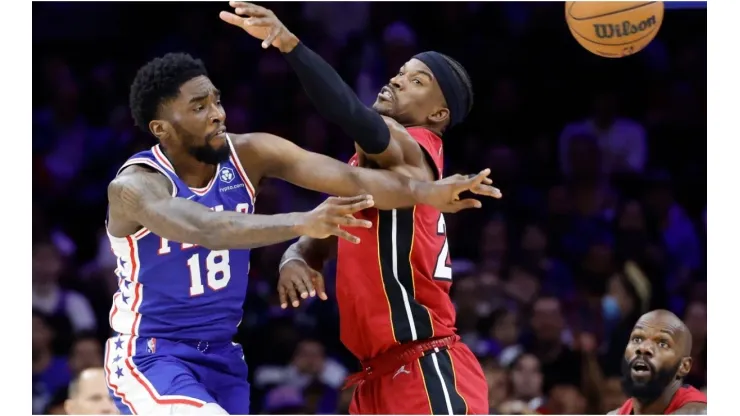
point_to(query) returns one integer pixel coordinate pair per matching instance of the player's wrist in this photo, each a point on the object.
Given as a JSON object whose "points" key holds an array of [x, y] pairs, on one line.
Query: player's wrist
{"points": [[288, 43], [422, 192], [288, 260]]}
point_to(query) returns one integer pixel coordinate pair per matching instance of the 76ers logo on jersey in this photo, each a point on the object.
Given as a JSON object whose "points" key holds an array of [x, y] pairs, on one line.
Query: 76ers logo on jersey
{"points": [[227, 175]]}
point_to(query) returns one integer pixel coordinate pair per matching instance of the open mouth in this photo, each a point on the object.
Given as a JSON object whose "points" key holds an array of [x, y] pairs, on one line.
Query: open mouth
{"points": [[640, 367], [386, 94]]}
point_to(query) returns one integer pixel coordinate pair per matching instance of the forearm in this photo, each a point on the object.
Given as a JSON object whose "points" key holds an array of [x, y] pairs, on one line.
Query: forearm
{"points": [[142, 197], [336, 101], [390, 190], [313, 251], [219, 230]]}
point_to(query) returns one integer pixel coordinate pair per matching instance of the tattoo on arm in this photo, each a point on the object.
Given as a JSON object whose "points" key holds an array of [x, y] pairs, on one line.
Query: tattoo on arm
{"points": [[143, 196]]}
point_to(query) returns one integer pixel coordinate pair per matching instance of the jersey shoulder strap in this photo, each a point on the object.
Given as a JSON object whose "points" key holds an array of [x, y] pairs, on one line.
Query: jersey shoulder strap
{"points": [[432, 145], [149, 158]]}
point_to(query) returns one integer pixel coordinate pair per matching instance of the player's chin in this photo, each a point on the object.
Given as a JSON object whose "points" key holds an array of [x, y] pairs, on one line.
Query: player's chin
{"points": [[383, 107]]}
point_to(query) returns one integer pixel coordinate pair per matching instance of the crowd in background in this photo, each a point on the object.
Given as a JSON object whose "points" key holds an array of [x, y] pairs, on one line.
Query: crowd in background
{"points": [[602, 164]]}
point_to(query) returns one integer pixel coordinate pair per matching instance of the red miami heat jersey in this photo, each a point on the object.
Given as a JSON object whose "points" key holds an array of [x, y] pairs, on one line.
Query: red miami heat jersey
{"points": [[394, 286], [684, 395]]}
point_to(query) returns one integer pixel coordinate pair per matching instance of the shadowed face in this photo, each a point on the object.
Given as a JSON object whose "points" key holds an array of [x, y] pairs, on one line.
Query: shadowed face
{"points": [[656, 355], [195, 120], [526, 377], [413, 97]]}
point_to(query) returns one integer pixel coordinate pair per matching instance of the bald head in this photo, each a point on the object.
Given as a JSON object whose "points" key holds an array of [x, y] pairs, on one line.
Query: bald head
{"points": [[666, 321], [657, 357], [88, 394]]}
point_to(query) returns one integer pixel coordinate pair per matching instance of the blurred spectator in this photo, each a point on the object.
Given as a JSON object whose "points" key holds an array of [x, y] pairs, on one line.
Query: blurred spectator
{"points": [[612, 395], [88, 394], [559, 363], [622, 141], [86, 352], [284, 400], [69, 311], [498, 384], [50, 372], [565, 399], [628, 297], [534, 250], [527, 381], [309, 365]]}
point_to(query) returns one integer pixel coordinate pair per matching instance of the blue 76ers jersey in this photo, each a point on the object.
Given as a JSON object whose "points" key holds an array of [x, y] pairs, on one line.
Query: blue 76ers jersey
{"points": [[174, 289]]}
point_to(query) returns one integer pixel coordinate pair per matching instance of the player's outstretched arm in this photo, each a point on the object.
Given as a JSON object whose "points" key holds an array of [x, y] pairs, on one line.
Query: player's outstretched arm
{"points": [[279, 158], [141, 197], [331, 96]]}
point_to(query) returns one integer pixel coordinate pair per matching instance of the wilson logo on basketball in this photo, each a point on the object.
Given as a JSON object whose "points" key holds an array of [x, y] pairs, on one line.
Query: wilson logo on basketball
{"points": [[626, 28]]}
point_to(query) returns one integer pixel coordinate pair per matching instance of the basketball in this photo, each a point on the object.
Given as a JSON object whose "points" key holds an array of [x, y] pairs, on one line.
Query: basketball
{"points": [[614, 29]]}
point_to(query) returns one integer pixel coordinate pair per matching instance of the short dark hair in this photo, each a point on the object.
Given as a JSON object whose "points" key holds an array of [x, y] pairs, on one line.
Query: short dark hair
{"points": [[159, 81]]}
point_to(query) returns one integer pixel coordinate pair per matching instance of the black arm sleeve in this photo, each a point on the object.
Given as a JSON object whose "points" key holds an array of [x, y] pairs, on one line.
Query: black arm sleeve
{"points": [[336, 101]]}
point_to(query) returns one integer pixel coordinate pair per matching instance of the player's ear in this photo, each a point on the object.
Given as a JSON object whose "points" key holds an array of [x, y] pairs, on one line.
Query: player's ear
{"points": [[685, 367], [439, 116], [159, 128]]}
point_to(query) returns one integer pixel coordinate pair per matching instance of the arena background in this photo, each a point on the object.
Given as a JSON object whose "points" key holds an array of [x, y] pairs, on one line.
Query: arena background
{"points": [[534, 272]]}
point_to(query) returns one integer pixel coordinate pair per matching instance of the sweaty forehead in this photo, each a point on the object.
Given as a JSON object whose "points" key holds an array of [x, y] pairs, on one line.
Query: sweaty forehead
{"points": [[196, 87]]}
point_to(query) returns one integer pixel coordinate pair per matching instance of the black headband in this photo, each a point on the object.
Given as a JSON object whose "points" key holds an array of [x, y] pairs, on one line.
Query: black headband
{"points": [[452, 86]]}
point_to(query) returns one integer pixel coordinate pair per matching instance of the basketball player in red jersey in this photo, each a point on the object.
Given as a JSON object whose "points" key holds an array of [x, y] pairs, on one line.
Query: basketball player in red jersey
{"points": [[392, 289], [657, 358]]}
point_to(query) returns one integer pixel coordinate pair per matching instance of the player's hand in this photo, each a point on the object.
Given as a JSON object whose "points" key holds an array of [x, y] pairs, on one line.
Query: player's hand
{"points": [[299, 281], [262, 24], [444, 194], [326, 219]]}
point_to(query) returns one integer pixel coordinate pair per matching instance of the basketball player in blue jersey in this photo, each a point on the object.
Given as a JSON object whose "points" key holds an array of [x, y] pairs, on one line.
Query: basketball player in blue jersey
{"points": [[181, 222]]}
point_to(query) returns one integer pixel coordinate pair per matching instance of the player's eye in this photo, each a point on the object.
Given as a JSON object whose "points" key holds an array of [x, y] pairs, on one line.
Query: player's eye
{"points": [[663, 344], [636, 340], [198, 108], [417, 81], [218, 102]]}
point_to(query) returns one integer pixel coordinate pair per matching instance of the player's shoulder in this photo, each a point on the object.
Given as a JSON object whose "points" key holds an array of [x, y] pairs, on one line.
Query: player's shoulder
{"points": [[136, 174], [138, 180]]}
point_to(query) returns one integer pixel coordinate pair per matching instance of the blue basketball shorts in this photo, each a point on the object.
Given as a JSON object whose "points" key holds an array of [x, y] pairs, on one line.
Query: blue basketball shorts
{"points": [[161, 376]]}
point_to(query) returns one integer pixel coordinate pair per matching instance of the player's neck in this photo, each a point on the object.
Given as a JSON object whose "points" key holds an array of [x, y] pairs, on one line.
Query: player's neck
{"points": [[194, 173], [658, 406]]}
